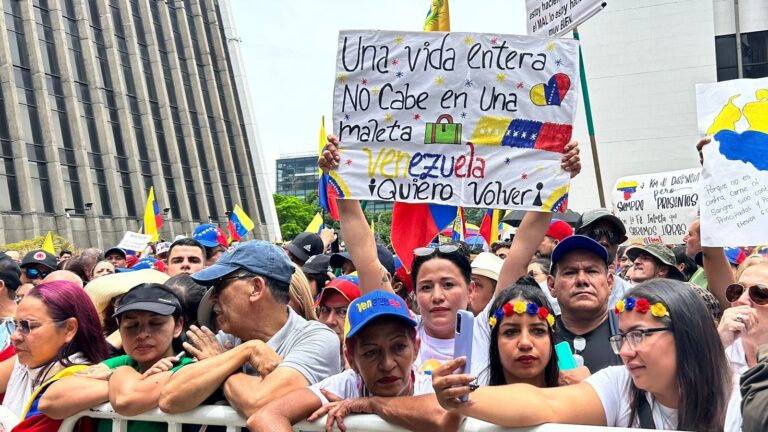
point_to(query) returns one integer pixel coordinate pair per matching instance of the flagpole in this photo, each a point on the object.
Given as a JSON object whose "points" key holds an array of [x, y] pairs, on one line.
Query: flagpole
{"points": [[590, 125]]}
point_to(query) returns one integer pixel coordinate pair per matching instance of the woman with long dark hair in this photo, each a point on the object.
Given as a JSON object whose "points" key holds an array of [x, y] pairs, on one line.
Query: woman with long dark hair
{"points": [[56, 332], [522, 348], [675, 375]]}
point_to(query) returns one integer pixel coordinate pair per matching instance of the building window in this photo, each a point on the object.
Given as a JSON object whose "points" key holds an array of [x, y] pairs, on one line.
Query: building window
{"points": [[754, 55], [8, 185]]}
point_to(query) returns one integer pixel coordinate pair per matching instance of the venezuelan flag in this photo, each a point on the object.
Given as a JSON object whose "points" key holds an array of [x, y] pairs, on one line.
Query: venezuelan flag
{"points": [[438, 17], [489, 226], [326, 192], [239, 224], [153, 220], [415, 225]]}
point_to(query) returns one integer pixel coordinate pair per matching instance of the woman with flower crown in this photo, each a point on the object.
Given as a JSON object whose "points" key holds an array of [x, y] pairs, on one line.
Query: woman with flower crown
{"points": [[522, 347], [675, 375]]}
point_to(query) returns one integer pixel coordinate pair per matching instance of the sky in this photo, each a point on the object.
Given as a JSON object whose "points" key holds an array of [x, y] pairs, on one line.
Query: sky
{"points": [[289, 53]]}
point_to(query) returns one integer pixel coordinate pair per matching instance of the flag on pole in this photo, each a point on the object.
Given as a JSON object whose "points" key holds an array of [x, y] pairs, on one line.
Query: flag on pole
{"points": [[326, 192], [489, 227], [416, 225], [316, 225], [438, 18], [48, 244], [239, 224], [153, 220], [459, 228]]}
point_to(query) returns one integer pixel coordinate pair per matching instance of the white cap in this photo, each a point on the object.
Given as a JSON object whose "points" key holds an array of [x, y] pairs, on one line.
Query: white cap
{"points": [[162, 247], [488, 265]]}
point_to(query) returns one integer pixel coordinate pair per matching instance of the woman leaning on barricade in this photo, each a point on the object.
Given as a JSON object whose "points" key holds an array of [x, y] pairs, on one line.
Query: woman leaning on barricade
{"points": [[56, 333], [381, 345], [150, 322], [675, 375]]}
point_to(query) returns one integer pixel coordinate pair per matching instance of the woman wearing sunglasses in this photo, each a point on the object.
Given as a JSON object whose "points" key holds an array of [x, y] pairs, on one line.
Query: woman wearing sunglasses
{"points": [[150, 322], [675, 375], [55, 333]]}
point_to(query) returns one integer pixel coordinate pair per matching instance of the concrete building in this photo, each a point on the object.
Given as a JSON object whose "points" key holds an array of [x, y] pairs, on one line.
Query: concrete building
{"points": [[643, 59], [102, 99]]}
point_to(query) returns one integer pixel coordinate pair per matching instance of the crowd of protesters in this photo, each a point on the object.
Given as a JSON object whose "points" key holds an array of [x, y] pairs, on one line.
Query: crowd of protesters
{"points": [[571, 325]]}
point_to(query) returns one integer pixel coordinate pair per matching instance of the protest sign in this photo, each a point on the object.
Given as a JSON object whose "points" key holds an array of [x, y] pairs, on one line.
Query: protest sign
{"points": [[134, 241], [554, 18], [657, 208], [734, 195], [468, 119]]}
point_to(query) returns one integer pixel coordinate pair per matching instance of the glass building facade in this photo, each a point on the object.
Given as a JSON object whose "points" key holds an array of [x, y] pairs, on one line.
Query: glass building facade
{"points": [[101, 100]]}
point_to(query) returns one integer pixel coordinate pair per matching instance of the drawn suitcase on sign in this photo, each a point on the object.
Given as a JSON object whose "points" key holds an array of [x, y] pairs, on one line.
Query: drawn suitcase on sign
{"points": [[441, 132]]}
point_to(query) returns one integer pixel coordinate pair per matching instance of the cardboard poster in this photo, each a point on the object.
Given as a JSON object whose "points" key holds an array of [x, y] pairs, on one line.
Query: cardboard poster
{"points": [[554, 18], [657, 208], [477, 120], [134, 241], [734, 193]]}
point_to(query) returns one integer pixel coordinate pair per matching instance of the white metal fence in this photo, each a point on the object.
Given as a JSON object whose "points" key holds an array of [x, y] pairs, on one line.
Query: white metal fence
{"points": [[222, 415]]}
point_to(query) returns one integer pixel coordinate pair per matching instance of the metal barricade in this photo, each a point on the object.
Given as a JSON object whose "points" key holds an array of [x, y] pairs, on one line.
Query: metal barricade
{"points": [[222, 415]]}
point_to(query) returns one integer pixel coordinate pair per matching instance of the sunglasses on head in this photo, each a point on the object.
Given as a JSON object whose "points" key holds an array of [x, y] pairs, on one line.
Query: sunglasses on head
{"points": [[33, 273], [757, 293], [597, 234], [428, 251]]}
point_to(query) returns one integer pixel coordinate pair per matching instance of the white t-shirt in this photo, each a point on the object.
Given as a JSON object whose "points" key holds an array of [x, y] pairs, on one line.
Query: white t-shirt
{"points": [[431, 348], [736, 357], [349, 384], [481, 341], [612, 385]]}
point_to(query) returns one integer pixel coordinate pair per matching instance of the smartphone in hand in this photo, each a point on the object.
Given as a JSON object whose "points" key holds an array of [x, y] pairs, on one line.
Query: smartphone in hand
{"points": [[465, 326]]}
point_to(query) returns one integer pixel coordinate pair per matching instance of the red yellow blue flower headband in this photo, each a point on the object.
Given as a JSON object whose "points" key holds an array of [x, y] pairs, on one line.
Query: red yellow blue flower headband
{"points": [[521, 307], [641, 305]]}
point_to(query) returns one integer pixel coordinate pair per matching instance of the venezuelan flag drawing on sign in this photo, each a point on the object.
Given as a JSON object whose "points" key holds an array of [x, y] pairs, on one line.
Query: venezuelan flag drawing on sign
{"points": [[153, 220]]}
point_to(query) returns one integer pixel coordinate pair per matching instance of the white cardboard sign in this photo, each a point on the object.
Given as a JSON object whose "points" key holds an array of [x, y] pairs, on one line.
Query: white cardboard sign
{"points": [[554, 18]]}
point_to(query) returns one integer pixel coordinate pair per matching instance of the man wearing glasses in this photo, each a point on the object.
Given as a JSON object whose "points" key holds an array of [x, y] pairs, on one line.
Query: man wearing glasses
{"points": [[274, 350], [36, 265], [608, 230]]}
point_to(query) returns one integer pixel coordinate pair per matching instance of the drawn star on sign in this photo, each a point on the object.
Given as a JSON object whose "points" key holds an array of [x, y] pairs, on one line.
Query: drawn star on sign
{"points": [[524, 176], [395, 62], [520, 85], [342, 78], [468, 40], [364, 81], [501, 77], [463, 114], [349, 162], [375, 90], [550, 46], [399, 74], [507, 161], [399, 40], [468, 83], [559, 62], [494, 41], [417, 117], [440, 80], [346, 117], [388, 118]]}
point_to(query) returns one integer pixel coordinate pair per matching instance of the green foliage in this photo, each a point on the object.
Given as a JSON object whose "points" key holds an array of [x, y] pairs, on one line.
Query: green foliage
{"points": [[24, 246], [293, 214]]}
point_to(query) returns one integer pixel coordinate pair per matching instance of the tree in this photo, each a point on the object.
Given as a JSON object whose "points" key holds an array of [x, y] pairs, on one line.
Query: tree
{"points": [[293, 214]]}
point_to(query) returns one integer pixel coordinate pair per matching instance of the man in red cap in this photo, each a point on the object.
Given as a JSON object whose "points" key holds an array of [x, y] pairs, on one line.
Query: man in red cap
{"points": [[558, 231], [333, 301]]}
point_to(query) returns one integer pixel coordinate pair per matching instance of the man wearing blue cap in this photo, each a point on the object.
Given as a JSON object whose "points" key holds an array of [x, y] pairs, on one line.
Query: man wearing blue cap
{"points": [[274, 349], [581, 280]]}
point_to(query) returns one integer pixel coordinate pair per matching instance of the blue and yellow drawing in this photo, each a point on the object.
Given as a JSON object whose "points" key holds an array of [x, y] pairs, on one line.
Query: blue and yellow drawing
{"points": [[628, 187]]}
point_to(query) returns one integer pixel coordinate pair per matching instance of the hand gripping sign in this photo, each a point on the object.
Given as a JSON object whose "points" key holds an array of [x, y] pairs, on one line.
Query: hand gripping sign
{"points": [[477, 120]]}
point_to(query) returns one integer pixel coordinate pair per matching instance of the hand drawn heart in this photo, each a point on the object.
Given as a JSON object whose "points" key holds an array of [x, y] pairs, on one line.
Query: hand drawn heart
{"points": [[553, 92]]}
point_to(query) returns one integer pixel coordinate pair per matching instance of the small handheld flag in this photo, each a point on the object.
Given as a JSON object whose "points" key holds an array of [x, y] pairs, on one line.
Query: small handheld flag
{"points": [[153, 220]]}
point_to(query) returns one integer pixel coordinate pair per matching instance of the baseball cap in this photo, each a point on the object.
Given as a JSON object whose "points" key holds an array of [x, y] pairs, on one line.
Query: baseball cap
{"points": [[386, 258], [661, 253], [488, 265], [255, 256], [149, 263], [114, 249], [162, 247], [375, 304], [39, 256], [559, 230], [317, 264], [210, 235], [348, 286], [10, 273], [150, 297], [577, 242], [305, 245], [589, 217]]}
